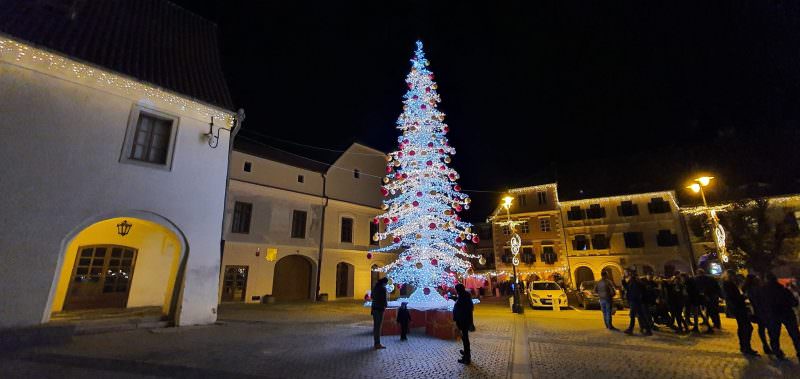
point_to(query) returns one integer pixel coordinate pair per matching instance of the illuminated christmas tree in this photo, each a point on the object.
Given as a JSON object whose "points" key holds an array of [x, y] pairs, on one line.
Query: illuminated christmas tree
{"points": [[422, 197]]}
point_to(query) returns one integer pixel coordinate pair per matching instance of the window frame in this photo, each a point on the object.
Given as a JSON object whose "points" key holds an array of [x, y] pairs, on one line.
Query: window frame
{"points": [[524, 227], [295, 212], [640, 240], [341, 228], [248, 166], [581, 237], [130, 135], [604, 245], [356, 173], [672, 239], [545, 221], [522, 200], [234, 218], [373, 228], [301, 179], [542, 197], [634, 207]]}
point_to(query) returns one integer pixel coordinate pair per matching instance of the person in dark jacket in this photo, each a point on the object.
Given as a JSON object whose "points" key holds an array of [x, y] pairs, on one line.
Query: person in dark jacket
{"points": [[752, 289], [694, 303], [462, 315], [634, 291], [649, 297], [735, 302], [403, 318], [710, 294], [676, 299], [379, 303], [779, 302]]}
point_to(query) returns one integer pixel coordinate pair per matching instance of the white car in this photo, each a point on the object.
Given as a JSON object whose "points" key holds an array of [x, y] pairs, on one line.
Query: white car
{"points": [[545, 293]]}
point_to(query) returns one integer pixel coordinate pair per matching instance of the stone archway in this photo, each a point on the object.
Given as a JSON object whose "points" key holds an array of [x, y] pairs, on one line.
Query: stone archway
{"points": [[345, 278], [583, 274], [100, 268], [292, 279]]}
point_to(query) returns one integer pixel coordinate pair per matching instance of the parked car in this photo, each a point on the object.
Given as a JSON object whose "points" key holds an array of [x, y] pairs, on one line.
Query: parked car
{"points": [[545, 294], [587, 298]]}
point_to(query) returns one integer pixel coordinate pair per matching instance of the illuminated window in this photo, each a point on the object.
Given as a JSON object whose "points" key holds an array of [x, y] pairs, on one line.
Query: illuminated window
{"points": [[522, 199], [506, 230], [542, 196]]}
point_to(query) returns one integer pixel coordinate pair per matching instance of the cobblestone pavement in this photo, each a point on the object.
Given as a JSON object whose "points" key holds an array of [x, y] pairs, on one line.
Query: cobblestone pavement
{"points": [[571, 344], [333, 340]]}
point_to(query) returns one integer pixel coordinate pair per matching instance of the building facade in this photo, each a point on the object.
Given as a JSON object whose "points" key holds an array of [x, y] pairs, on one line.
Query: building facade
{"points": [[641, 231], [542, 254], [286, 217], [114, 196]]}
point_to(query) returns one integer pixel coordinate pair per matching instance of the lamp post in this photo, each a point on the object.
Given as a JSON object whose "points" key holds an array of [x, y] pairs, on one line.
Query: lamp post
{"points": [[718, 231], [515, 243]]}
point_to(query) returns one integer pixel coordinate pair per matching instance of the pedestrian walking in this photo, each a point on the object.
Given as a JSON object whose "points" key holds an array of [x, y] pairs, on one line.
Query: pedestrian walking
{"points": [[779, 302], [694, 304], [379, 303], [735, 302], [710, 294], [462, 315], [675, 294], [752, 289], [649, 298], [605, 292], [403, 318], [634, 291]]}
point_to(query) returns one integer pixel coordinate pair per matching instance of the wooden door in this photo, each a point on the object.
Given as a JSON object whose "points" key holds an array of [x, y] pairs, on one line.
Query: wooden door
{"points": [[292, 279], [234, 283], [101, 277]]}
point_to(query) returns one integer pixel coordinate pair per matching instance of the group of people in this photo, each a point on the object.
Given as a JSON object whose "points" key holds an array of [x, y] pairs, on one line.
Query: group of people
{"points": [[683, 302], [462, 316]]}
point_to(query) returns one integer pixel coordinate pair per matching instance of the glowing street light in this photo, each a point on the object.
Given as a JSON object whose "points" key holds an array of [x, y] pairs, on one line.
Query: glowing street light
{"points": [[718, 231], [515, 244]]}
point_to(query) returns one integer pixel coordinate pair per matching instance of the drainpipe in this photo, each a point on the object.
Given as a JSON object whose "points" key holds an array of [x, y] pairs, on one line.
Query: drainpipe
{"points": [[237, 126], [321, 235]]}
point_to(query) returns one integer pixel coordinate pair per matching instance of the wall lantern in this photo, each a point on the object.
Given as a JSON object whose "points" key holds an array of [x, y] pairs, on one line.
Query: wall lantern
{"points": [[124, 227]]}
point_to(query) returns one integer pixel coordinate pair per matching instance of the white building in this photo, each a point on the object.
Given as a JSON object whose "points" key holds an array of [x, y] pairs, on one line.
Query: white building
{"points": [[103, 133], [280, 206]]}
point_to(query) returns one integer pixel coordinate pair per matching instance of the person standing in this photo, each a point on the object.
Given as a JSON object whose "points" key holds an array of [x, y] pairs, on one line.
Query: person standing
{"points": [[752, 289], [379, 303], [634, 291], [462, 315], [736, 304], [693, 303], [605, 292], [675, 293], [780, 302], [403, 318]]}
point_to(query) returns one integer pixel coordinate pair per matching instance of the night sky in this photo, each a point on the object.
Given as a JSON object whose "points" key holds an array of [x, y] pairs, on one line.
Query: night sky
{"points": [[604, 97]]}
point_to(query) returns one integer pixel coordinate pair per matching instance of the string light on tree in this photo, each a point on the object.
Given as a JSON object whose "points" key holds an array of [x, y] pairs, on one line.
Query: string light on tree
{"points": [[422, 198]]}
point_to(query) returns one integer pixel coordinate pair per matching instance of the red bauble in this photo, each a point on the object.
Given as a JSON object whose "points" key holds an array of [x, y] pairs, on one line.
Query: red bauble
{"points": [[429, 163], [464, 249], [376, 221], [446, 129], [388, 169], [430, 76], [415, 203], [369, 255], [475, 239], [408, 258], [432, 225], [405, 141], [441, 151], [386, 220], [457, 188], [458, 239], [410, 85], [397, 175], [434, 262], [427, 89], [394, 219], [404, 175], [412, 152], [426, 291], [415, 97], [384, 191], [442, 167], [423, 106], [419, 194], [458, 208], [399, 154], [396, 240], [430, 144]]}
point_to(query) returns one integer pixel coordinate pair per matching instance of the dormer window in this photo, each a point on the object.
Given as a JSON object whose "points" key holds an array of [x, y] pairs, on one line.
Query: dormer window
{"points": [[658, 205]]}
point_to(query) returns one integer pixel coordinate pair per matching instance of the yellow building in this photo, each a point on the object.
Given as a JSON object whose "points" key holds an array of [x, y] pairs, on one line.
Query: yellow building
{"points": [[542, 254], [641, 231]]}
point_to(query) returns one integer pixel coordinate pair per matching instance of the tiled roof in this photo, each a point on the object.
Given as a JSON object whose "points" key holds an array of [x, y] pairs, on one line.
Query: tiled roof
{"points": [[154, 41]]}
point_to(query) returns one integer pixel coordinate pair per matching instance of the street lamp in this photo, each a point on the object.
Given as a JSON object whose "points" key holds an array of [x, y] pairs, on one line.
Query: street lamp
{"points": [[718, 231], [515, 243]]}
